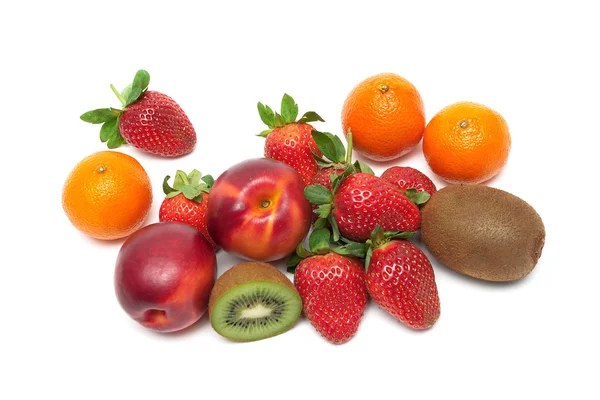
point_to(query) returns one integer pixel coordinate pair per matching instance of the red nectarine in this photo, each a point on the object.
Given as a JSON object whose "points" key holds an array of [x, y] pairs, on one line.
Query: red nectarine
{"points": [[258, 211], [164, 275]]}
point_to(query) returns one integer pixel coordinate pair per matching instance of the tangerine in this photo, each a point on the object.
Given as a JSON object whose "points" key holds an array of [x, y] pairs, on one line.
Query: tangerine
{"points": [[386, 115], [107, 195], [466, 143]]}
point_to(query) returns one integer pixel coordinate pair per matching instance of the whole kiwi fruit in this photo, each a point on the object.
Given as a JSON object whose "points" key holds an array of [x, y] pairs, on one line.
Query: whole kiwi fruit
{"points": [[483, 232], [253, 301]]}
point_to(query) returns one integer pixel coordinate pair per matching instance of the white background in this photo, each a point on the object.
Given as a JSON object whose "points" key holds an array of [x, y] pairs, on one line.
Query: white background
{"points": [[63, 332]]}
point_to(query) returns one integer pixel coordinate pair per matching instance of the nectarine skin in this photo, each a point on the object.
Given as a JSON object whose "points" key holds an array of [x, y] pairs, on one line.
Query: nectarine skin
{"points": [[257, 210], [164, 274]]}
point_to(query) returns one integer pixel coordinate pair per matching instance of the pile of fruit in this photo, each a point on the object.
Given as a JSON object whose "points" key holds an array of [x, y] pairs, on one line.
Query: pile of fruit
{"points": [[347, 234]]}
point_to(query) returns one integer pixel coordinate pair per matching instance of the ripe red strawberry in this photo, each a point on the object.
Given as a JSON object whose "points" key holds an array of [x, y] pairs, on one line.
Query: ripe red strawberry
{"points": [[400, 279], [406, 178], [187, 201], [288, 140], [150, 121], [359, 202], [333, 293]]}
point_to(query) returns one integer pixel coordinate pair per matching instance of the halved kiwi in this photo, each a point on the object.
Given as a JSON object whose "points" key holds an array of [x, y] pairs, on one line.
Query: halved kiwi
{"points": [[253, 301]]}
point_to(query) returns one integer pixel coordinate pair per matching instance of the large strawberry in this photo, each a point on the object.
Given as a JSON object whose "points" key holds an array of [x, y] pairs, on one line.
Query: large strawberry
{"points": [[289, 140], [416, 185], [150, 121], [187, 201], [332, 288], [358, 202], [400, 279]]}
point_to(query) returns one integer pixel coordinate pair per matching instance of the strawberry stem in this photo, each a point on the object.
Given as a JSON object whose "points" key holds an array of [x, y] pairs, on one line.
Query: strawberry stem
{"points": [[349, 153], [119, 96]]}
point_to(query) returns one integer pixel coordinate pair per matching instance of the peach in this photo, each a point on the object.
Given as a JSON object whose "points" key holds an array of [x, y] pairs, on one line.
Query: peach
{"points": [[257, 210], [164, 275]]}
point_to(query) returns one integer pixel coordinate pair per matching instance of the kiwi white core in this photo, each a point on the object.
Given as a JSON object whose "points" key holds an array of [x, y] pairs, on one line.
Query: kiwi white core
{"points": [[258, 311]]}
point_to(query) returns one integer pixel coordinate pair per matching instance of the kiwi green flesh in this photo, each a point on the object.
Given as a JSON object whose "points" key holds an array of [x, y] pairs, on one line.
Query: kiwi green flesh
{"points": [[256, 310]]}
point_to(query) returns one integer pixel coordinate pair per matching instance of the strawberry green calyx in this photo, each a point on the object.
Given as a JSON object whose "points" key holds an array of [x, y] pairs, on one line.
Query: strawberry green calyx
{"points": [[191, 185], [109, 117], [379, 238], [419, 198], [324, 198], [287, 115], [335, 154], [319, 242]]}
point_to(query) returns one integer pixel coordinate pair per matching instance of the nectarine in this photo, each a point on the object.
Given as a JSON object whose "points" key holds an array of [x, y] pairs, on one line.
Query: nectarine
{"points": [[164, 275], [258, 211]]}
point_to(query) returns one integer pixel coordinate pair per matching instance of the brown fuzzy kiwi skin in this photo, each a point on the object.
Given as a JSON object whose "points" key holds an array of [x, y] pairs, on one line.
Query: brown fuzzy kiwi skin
{"points": [[483, 232], [246, 272]]}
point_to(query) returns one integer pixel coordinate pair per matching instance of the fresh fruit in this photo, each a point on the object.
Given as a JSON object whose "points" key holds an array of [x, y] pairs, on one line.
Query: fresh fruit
{"points": [[332, 288], [187, 201], [359, 202], [400, 279], [289, 140], [253, 301], [150, 121], [407, 178], [335, 160], [164, 275], [483, 232], [257, 210], [466, 143], [386, 115], [107, 195]]}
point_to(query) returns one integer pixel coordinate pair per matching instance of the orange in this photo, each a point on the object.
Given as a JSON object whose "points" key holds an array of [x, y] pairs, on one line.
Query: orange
{"points": [[107, 195], [466, 143], [385, 113]]}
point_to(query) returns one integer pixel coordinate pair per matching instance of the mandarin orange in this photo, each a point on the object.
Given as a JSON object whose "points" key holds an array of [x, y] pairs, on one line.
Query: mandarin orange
{"points": [[386, 115], [466, 143], [107, 195]]}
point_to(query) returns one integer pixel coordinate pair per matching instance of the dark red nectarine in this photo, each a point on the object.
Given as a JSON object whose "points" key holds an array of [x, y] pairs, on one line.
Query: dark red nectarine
{"points": [[164, 275], [258, 211]]}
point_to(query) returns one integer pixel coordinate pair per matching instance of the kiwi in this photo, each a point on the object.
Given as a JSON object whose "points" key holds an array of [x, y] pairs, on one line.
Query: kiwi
{"points": [[253, 301], [483, 232]]}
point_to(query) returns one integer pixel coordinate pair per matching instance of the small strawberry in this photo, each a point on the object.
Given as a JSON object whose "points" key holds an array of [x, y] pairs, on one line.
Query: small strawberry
{"points": [[332, 288], [187, 201], [358, 202], [410, 181], [150, 121], [289, 140], [400, 279]]}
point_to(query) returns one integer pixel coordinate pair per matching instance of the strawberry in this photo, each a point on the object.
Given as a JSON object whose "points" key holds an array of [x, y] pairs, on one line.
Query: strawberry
{"points": [[187, 201], [150, 121], [288, 140], [332, 288], [410, 181], [358, 202], [400, 279]]}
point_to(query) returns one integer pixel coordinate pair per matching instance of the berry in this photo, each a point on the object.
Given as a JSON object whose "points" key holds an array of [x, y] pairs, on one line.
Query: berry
{"points": [[150, 121]]}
